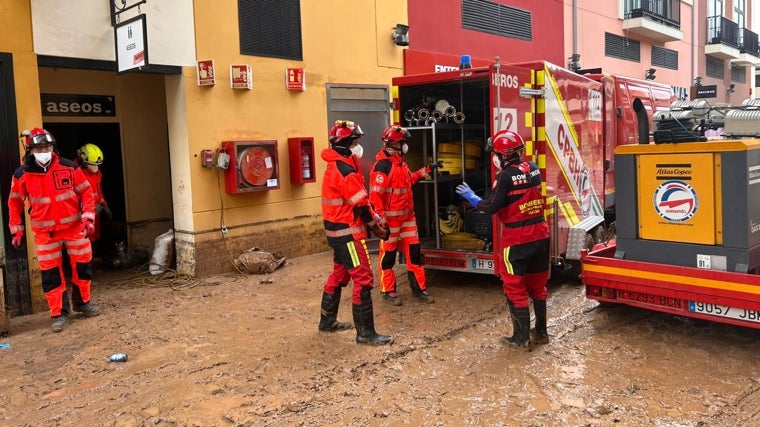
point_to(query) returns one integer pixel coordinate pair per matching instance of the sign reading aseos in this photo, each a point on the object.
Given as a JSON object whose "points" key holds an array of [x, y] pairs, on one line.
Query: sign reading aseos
{"points": [[77, 105], [131, 44]]}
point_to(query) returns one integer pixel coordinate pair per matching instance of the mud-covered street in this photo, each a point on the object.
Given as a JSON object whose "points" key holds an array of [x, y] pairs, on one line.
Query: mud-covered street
{"points": [[239, 351]]}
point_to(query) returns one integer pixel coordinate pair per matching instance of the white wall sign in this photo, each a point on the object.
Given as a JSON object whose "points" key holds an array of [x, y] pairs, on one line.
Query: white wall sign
{"points": [[131, 44]]}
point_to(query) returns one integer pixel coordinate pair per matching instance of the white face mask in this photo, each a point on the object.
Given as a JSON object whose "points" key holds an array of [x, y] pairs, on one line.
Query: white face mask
{"points": [[43, 158], [92, 168], [357, 150], [496, 161], [392, 150]]}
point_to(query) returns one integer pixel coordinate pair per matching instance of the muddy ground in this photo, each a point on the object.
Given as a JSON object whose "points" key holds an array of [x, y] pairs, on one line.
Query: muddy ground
{"points": [[236, 350]]}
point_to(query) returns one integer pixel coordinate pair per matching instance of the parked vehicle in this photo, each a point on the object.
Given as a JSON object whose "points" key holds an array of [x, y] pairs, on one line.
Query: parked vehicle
{"points": [[688, 218], [571, 124]]}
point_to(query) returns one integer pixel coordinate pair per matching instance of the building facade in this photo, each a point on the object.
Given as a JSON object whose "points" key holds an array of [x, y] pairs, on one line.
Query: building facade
{"points": [[212, 115], [168, 98]]}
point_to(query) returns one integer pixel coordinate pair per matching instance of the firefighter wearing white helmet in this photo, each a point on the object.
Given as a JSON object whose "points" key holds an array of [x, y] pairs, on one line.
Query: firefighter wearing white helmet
{"points": [[90, 157], [523, 255]]}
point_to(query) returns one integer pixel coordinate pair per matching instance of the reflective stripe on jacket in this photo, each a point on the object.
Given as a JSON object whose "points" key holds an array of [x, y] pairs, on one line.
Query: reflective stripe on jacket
{"points": [[57, 196], [345, 202], [390, 188]]}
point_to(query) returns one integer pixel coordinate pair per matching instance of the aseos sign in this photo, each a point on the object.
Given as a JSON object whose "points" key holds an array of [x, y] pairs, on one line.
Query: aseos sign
{"points": [[77, 105]]}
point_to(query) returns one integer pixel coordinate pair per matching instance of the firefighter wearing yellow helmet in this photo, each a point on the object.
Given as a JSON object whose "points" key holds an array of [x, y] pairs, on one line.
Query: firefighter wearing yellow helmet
{"points": [[90, 157]]}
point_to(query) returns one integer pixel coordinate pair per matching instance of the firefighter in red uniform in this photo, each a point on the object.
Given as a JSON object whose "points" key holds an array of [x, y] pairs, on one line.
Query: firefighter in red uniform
{"points": [[523, 250], [391, 195], [347, 212], [90, 157], [61, 212]]}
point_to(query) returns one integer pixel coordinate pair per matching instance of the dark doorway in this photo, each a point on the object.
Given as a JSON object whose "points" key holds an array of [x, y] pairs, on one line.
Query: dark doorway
{"points": [[18, 298], [69, 137]]}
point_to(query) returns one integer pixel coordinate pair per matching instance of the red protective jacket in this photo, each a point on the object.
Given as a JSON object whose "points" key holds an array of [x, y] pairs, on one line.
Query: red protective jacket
{"points": [[518, 203], [345, 203], [58, 196], [390, 188], [95, 179]]}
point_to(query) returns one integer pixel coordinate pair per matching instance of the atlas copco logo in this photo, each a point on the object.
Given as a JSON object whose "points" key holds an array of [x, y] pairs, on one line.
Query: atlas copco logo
{"points": [[676, 201]]}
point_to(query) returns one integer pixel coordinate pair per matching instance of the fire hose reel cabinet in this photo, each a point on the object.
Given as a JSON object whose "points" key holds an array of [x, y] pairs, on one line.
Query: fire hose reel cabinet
{"points": [[253, 166], [302, 162]]}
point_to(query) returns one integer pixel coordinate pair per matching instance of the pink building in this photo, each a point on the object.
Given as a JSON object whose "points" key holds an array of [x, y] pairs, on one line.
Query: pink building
{"points": [[689, 44]]}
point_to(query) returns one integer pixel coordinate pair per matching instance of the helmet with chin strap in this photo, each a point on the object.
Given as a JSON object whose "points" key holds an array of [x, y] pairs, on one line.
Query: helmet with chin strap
{"points": [[344, 132], [394, 136], [507, 143]]}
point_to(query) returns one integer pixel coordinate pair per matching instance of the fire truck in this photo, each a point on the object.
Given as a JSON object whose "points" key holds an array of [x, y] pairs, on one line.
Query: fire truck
{"points": [[571, 123], [688, 218]]}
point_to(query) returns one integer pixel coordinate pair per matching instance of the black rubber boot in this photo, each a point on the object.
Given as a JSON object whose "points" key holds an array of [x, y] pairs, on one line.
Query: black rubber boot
{"points": [[418, 293], [88, 309], [58, 323], [539, 335], [328, 320], [364, 318], [520, 327], [66, 304]]}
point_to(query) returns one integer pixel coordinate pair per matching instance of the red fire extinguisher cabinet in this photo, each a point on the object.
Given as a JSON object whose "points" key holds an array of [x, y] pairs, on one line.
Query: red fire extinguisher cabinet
{"points": [[301, 156]]}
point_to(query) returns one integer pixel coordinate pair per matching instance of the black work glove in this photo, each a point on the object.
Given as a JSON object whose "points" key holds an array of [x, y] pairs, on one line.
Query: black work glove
{"points": [[382, 232], [435, 165]]}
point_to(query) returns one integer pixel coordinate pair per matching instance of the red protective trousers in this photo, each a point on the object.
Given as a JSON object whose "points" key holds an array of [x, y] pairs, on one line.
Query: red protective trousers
{"points": [[525, 271], [402, 236], [350, 262], [49, 254]]}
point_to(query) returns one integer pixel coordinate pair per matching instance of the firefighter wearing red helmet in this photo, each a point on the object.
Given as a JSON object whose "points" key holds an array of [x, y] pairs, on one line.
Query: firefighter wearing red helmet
{"points": [[390, 192], [347, 213], [523, 252], [61, 212]]}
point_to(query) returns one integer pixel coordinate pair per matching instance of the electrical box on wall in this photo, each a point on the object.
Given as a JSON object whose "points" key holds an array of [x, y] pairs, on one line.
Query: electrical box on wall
{"points": [[302, 161], [253, 166]]}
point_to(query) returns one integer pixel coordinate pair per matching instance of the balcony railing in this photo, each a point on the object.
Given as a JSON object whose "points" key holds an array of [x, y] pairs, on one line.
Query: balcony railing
{"points": [[721, 30], [748, 42], [666, 11]]}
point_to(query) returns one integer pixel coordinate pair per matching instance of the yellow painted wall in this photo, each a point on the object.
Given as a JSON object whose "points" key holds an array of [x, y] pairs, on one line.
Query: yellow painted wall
{"points": [[340, 47], [16, 38], [344, 41]]}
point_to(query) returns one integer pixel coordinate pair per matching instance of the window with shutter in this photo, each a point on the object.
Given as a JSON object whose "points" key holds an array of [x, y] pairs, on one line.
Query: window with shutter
{"points": [[715, 67], [665, 58], [622, 47], [270, 28], [499, 19]]}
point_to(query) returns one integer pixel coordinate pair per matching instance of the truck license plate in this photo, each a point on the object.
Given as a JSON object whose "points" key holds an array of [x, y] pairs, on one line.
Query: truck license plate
{"points": [[725, 311], [482, 264], [651, 299]]}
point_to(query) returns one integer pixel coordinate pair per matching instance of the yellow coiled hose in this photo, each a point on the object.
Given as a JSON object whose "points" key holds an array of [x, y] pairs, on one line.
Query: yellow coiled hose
{"points": [[453, 224]]}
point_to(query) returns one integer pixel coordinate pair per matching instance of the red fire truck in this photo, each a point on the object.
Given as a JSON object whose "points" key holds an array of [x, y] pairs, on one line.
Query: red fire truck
{"points": [[688, 222], [571, 123]]}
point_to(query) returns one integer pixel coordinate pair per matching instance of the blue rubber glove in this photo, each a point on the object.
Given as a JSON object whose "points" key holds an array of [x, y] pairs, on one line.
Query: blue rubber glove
{"points": [[466, 192]]}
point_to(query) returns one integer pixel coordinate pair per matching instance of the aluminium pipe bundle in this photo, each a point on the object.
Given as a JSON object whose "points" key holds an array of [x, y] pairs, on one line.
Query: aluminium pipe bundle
{"points": [[443, 112]]}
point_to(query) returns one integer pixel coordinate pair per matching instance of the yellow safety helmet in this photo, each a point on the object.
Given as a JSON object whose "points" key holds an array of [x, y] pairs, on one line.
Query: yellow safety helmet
{"points": [[90, 154]]}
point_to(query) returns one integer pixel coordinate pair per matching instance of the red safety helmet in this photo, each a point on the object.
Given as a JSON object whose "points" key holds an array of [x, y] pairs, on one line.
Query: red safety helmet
{"points": [[507, 143], [37, 137], [395, 135], [344, 132]]}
